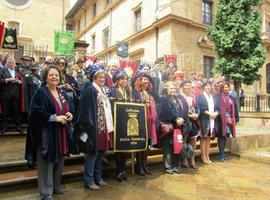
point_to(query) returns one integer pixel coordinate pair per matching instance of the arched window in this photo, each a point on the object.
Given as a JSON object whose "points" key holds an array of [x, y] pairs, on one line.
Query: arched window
{"points": [[268, 78]]}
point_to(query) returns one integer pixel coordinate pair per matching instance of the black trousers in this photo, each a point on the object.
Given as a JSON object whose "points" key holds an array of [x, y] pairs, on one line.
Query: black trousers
{"points": [[120, 160], [8, 106]]}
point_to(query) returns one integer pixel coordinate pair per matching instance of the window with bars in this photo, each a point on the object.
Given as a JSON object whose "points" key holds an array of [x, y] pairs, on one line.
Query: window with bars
{"points": [[69, 27], [207, 12], [105, 37], [208, 65], [268, 78], [138, 20], [93, 41]]}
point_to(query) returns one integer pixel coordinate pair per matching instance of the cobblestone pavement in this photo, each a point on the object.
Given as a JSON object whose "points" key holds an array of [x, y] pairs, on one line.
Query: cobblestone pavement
{"points": [[234, 179]]}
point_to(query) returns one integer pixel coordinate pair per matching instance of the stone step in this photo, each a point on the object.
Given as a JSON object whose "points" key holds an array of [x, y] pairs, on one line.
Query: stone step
{"points": [[19, 165], [14, 178]]}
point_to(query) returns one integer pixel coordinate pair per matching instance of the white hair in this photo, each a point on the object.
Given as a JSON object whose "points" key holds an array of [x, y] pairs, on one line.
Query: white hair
{"points": [[10, 59]]}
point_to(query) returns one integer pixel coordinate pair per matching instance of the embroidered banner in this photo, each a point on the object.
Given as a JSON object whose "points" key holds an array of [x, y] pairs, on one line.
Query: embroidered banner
{"points": [[10, 39], [170, 62], [129, 67], [63, 43], [2, 28], [130, 129]]}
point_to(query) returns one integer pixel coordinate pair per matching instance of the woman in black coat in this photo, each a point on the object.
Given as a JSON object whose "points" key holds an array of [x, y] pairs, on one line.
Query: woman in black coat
{"points": [[171, 112], [50, 127], [208, 113]]}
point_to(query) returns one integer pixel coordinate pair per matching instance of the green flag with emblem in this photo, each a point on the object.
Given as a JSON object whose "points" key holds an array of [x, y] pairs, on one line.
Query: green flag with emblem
{"points": [[63, 43]]}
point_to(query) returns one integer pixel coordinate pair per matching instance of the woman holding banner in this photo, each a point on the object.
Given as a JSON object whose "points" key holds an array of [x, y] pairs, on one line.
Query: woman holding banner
{"points": [[120, 93], [172, 115], [142, 93]]}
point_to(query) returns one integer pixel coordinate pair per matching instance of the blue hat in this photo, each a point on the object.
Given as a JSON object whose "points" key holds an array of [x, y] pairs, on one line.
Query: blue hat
{"points": [[118, 74], [95, 69], [143, 65], [142, 74]]}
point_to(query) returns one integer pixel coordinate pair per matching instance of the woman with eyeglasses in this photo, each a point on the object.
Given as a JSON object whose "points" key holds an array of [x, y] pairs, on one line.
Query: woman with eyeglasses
{"points": [[68, 82]]}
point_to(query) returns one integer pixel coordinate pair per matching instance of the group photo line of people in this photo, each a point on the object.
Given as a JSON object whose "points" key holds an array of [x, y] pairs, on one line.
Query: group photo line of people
{"points": [[71, 111]]}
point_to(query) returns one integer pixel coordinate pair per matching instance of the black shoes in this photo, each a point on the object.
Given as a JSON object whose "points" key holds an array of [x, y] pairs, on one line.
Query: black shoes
{"points": [[58, 191], [125, 176], [119, 177]]}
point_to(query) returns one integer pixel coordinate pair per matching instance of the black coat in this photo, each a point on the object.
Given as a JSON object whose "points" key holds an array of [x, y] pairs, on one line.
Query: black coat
{"points": [[9, 90], [170, 111], [204, 119], [43, 133], [86, 120]]}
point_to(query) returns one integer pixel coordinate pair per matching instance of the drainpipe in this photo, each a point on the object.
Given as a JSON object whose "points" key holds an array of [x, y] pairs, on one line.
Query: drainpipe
{"points": [[84, 22], [63, 14], [110, 42], [157, 29]]}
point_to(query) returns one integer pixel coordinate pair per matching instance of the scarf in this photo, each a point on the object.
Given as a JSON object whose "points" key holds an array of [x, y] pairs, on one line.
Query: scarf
{"points": [[151, 116], [227, 102], [107, 107], [211, 109], [62, 133]]}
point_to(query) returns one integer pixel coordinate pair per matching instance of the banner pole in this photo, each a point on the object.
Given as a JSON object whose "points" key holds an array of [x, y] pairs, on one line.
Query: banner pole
{"points": [[132, 163]]}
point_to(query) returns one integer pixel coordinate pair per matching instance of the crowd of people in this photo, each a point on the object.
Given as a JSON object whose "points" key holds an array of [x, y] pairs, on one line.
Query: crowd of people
{"points": [[70, 111]]}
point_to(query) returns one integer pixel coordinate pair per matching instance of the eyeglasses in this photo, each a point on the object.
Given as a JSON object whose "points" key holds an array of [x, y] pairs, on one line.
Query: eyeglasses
{"points": [[60, 63]]}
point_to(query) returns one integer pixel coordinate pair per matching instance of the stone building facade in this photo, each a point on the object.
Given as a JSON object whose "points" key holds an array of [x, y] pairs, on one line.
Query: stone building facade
{"points": [[35, 21], [154, 28]]}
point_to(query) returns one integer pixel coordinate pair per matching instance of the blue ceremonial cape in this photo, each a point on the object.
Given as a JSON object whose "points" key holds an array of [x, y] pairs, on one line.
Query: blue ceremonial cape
{"points": [[86, 120]]}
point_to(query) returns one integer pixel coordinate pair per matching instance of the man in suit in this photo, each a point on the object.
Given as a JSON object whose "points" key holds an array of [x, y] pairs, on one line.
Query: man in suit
{"points": [[11, 94]]}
